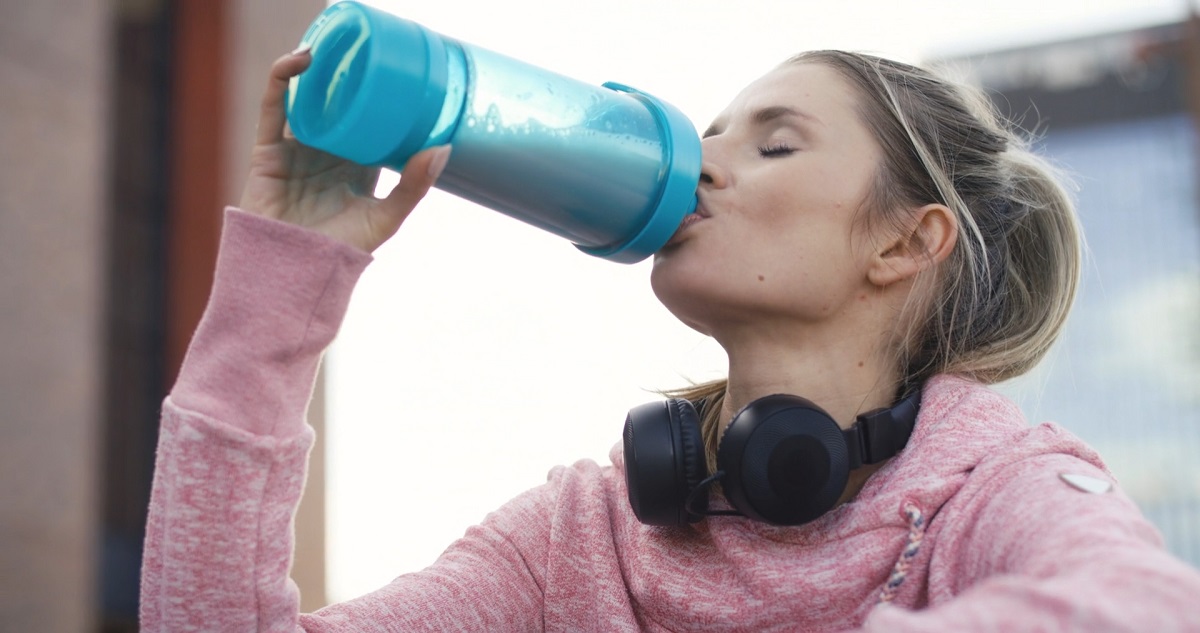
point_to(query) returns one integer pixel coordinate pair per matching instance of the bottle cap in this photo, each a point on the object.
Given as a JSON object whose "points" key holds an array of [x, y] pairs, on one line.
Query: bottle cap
{"points": [[677, 194], [375, 87]]}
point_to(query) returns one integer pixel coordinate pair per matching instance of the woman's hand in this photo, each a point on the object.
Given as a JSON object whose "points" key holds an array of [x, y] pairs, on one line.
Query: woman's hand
{"points": [[301, 185]]}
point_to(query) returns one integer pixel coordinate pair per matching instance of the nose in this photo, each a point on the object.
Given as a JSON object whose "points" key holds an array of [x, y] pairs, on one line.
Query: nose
{"points": [[711, 172]]}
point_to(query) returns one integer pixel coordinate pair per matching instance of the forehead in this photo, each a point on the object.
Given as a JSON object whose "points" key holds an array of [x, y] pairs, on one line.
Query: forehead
{"points": [[815, 91]]}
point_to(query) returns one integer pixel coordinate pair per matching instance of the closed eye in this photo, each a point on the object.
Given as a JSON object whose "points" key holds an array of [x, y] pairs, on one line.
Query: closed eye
{"points": [[775, 149]]}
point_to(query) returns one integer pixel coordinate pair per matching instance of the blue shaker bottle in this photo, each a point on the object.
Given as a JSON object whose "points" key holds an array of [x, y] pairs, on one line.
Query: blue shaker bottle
{"points": [[612, 169]]}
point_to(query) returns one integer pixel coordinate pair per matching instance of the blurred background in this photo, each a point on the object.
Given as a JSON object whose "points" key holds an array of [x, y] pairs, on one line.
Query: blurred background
{"points": [[479, 352]]}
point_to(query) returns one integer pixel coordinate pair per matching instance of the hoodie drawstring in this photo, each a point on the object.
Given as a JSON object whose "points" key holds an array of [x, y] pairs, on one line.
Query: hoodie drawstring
{"points": [[916, 532]]}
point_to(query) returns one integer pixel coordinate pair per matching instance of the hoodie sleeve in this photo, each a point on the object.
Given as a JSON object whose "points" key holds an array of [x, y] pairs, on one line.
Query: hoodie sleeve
{"points": [[233, 442], [1030, 551], [233, 454]]}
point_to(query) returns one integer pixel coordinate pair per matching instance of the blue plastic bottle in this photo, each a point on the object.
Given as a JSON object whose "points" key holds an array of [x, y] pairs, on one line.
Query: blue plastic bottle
{"points": [[612, 169]]}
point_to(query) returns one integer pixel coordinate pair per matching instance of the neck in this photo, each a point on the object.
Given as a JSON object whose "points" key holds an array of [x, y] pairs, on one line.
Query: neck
{"points": [[852, 376], [846, 378]]}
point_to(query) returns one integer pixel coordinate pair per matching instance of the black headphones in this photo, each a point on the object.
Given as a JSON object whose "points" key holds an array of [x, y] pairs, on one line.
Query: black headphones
{"points": [[782, 459]]}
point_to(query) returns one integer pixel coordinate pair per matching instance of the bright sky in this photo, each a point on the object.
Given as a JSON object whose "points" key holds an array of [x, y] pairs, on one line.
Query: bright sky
{"points": [[480, 352]]}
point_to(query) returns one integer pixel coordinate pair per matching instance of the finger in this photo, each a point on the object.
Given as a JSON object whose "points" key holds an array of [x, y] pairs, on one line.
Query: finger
{"points": [[419, 175], [272, 117], [363, 180]]}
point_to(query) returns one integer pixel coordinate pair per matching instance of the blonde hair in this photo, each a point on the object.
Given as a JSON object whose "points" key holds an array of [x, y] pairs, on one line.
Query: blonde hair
{"points": [[995, 306]]}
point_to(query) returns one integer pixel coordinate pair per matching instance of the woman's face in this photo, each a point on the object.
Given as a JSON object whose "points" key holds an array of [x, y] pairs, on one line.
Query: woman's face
{"points": [[787, 166]]}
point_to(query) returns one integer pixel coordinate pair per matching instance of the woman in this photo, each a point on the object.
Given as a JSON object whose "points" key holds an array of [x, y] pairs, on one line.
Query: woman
{"points": [[866, 232]]}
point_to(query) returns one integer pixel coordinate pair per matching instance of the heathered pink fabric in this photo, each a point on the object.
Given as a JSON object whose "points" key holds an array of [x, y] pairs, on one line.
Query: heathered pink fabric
{"points": [[1007, 547]]}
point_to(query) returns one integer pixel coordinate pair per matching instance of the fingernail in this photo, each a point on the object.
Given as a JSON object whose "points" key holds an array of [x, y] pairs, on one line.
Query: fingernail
{"points": [[301, 50], [438, 162]]}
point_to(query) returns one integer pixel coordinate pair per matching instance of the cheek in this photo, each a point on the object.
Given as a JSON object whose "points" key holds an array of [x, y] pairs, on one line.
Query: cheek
{"points": [[775, 206], [795, 195], [834, 187]]}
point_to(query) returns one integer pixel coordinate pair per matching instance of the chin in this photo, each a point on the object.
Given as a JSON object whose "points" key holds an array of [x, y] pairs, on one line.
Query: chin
{"points": [[682, 293]]}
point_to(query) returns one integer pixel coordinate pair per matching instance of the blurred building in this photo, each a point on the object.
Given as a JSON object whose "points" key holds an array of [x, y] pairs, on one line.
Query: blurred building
{"points": [[1119, 113], [124, 127]]}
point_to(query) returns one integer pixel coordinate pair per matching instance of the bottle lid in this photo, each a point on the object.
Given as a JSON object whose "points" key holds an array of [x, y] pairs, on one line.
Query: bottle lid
{"points": [[677, 194], [375, 87]]}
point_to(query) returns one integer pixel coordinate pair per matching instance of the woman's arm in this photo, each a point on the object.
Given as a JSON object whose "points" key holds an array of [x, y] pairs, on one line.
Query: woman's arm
{"points": [[492, 579], [233, 444], [1032, 553], [232, 459]]}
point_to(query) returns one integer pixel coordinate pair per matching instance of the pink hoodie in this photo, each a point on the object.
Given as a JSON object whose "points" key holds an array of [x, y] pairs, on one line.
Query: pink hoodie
{"points": [[970, 528]]}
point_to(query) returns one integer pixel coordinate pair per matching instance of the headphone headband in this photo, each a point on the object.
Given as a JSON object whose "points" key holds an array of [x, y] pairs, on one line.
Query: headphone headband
{"points": [[880, 434]]}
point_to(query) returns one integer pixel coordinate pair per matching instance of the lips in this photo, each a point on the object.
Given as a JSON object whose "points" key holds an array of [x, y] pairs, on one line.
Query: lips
{"points": [[699, 215], [689, 220]]}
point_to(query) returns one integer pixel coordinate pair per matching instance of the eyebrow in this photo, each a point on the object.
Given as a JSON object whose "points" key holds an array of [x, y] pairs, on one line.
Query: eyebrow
{"points": [[766, 115]]}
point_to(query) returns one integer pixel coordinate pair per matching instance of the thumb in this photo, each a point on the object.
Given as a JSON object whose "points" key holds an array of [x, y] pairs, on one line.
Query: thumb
{"points": [[419, 174]]}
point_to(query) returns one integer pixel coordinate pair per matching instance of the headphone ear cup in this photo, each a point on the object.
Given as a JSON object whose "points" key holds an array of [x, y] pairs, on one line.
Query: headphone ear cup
{"points": [[695, 468], [785, 461], [664, 460]]}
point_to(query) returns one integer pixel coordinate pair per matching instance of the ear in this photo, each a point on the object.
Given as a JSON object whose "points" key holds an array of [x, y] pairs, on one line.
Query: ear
{"points": [[928, 239]]}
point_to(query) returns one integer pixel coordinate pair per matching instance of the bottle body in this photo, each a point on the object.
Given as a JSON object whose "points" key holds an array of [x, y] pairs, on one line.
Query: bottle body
{"points": [[609, 168]]}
